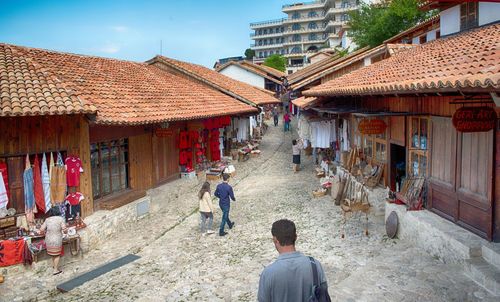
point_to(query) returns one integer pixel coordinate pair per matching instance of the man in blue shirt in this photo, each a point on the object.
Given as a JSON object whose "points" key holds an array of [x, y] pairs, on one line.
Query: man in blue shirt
{"points": [[224, 192], [290, 278]]}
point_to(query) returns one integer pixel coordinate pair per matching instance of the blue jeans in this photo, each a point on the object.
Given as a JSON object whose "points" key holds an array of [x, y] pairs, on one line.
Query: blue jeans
{"points": [[225, 219], [204, 226], [287, 126]]}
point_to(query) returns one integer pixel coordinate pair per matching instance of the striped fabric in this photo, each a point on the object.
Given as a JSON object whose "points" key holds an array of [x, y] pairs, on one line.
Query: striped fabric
{"points": [[46, 184]]}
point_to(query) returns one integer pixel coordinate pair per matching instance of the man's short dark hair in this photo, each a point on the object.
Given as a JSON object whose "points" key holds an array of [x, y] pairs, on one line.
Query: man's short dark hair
{"points": [[225, 177], [284, 230]]}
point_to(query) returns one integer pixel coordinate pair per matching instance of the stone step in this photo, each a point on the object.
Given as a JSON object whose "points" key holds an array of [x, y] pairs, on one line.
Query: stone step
{"points": [[484, 274], [491, 253]]}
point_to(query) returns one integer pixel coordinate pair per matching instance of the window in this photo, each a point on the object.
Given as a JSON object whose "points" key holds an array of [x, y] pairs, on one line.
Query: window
{"points": [[296, 26], [265, 41], [296, 38], [109, 165], [344, 17], [422, 39], [312, 14], [313, 37], [468, 15], [271, 52], [296, 49], [282, 51], [418, 150], [260, 54], [265, 54], [271, 30], [312, 25], [296, 15], [345, 4], [260, 42], [374, 146], [265, 31], [260, 31], [282, 39]]}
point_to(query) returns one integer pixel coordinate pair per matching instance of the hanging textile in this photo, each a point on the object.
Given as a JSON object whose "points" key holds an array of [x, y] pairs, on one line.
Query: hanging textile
{"points": [[29, 196], [73, 170], [38, 186], [51, 165], [58, 182], [5, 173], [12, 252], [4, 199], [46, 184], [243, 130], [183, 140]]}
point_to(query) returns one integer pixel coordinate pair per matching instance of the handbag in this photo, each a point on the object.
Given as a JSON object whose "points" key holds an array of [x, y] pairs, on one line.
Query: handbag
{"points": [[319, 291]]}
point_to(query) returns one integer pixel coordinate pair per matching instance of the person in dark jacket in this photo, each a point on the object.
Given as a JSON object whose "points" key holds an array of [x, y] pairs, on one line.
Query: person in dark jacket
{"points": [[225, 194]]}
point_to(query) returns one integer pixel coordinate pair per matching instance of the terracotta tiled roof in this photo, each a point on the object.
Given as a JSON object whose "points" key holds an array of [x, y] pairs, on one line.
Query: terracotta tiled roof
{"points": [[311, 69], [243, 91], [26, 88], [123, 92], [469, 60], [264, 71], [304, 102], [432, 21]]}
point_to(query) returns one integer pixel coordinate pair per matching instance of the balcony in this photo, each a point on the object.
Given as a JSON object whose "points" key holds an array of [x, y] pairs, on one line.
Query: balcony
{"points": [[339, 10], [335, 23], [268, 46], [267, 23], [303, 5], [305, 41], [304, 30], [268, 35], [320, 17]]}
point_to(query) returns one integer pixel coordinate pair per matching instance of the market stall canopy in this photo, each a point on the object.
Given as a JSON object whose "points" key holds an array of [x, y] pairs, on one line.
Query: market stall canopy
{"points": [[304, 102], [42, 82], [242, 91], [468, 61], [269, 73]]}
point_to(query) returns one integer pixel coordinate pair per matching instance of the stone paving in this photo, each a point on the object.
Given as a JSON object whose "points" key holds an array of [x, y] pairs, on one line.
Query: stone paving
{"points": [[178, 264]]}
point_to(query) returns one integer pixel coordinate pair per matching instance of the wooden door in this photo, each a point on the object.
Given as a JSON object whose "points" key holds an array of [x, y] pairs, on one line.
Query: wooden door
{"points": [[15, 166], [461, 177], [443, 199], [166, 159], [475, 181]]}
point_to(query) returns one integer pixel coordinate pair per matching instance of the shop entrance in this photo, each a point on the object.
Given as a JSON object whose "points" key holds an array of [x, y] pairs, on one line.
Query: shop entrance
{"points": [[398, 166]]}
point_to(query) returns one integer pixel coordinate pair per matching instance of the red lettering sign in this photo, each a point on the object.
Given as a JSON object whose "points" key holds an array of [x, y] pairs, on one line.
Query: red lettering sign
{"points": [[161, 132], [375, 126], [474, 119]]}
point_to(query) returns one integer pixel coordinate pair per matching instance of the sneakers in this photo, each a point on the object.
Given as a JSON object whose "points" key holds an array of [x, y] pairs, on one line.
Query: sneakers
{"points": [[232, 225], [209, 232], [223, 234]]}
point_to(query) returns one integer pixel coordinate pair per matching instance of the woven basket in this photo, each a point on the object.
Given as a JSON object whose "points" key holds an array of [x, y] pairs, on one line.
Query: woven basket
{"points": [[318, 193]]}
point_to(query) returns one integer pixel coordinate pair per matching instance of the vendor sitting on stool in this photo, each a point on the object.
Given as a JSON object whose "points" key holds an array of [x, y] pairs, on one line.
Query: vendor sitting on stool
{"points": [[54, 227]]}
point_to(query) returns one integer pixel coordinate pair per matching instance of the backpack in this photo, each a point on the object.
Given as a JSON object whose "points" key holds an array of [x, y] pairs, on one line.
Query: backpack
{"points": [[319, 292]]}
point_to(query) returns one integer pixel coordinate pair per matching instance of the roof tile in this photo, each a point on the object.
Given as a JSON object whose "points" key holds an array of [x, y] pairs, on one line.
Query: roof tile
{"points": [[467, 60]]}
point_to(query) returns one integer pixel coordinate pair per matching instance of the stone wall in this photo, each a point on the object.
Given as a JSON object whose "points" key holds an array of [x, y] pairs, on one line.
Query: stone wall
{"points": [[437, 236]]}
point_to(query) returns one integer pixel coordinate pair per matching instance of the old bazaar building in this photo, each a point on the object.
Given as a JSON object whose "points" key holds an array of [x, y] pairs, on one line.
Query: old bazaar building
{"points": [[416, 92], [121, 118]]}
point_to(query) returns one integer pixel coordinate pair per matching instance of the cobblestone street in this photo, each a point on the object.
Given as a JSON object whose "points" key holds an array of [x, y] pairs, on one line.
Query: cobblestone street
{"points": [[178, 264]]}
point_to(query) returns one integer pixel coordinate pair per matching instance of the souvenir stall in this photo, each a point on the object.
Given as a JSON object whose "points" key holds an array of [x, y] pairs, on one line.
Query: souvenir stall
{"points": [[50, 180], [202, 147]]}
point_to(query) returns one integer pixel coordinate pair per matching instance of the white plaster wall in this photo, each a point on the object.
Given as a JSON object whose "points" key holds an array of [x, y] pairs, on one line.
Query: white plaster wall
{"points": [[431, 35], [488, 12], [243, 75], [368, 61], [450, 20]]}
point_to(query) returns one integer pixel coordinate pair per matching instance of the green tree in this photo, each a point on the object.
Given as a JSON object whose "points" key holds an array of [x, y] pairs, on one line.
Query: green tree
{"points": [[372, 24], [276, 61], [249, 53]]}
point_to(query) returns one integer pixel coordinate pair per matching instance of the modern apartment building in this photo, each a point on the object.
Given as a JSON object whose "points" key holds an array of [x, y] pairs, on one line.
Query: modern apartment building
{"points": [[308, 28]]}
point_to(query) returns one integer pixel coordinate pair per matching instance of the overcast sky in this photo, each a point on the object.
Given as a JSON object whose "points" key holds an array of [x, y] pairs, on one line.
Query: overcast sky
{"points": [[195, 31]]}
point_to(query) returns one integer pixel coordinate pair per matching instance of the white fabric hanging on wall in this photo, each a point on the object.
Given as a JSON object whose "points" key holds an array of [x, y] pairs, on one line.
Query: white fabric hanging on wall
{"points": [[243, 124]]}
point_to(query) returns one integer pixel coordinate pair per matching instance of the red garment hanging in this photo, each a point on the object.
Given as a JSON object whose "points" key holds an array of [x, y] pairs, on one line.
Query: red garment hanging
{"points": [[183, 157], [38, 186], [183, 140], [5, 176]]}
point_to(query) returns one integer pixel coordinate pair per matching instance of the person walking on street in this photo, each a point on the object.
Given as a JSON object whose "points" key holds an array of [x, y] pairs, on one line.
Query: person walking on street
{"points": [[225, 192], [293, 277], [275, 116], [297, 146], [206, 209], [287, 120]]}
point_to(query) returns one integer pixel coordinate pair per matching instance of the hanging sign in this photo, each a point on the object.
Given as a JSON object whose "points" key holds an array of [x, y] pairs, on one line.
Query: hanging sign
{"points": [[375, 126], [162, 132], [474, 119]]}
